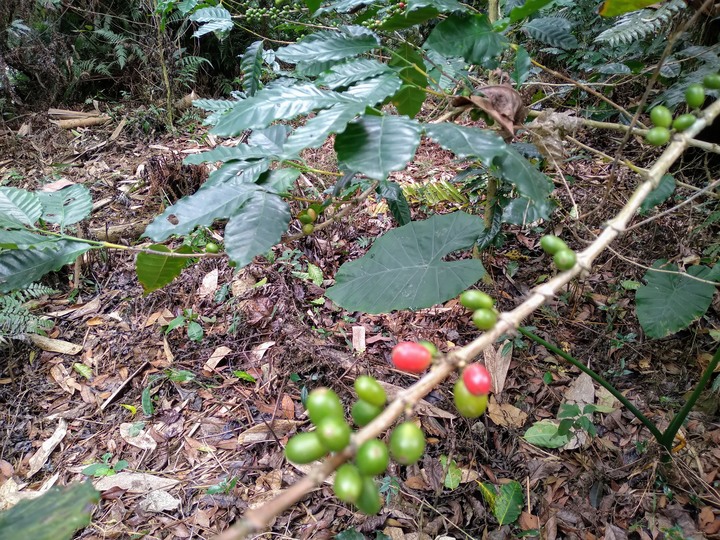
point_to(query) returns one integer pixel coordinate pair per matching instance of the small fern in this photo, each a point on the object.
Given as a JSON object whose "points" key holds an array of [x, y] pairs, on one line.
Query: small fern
{"points": [[16, 319], [637, 25]]}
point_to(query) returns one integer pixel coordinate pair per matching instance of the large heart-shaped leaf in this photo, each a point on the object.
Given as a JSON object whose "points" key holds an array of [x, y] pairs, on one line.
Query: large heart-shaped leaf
{"points": [[66, 206], [377, 145], [156, 271], [404, 269], [19, 268], [469, 36], [203, 207], [329, 45], [671, 301], [256, 227], [18, 206]]}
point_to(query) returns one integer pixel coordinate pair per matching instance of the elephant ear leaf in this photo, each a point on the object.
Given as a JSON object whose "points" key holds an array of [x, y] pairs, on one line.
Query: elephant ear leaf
{"points": [[405, 268]]}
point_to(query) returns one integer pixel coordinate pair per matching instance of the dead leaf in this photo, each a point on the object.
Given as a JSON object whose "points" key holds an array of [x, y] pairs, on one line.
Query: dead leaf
{"points": [[134, 482], [159, 501], [506, 415], [60, 375], [581, 392], [136, 435], [57, 185], [528, 521], [55, 345], [548, 131], [209, 284], [705, 518], [358, 339], [215, 358], [264, 432], [502, 103], [394, 533], [39, 458], [498, 364], [259, 350]]}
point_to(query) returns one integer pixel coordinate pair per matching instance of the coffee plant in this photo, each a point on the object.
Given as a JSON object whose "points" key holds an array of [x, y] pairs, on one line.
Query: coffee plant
{"points": [[365, 84]]}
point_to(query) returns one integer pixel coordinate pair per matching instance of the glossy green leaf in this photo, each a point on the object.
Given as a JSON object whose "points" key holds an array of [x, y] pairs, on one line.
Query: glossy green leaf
{"points": [[256, 227], [530, 7], [66, 206], [660, 194], [18, 206], [522, 66], [671, 301], [24, 239], [470, 37], [508, 503], [613, 8], [378, 145], [443, 6], [321, 46], [405, 268], [202, 207], [410, 65], [251, 66], [317, 129], [277, 103], [505, 161], [19, 268], [553, 31], [352, 72], [397, 203], [545, 434], [409, 18], [156, 271], [313, 5], [213, 19], [55, 515], [224, 154], [279, 180]]}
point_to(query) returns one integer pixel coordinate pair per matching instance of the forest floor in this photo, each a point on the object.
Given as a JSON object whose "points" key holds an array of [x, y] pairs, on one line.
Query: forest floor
{"points": [[224, 405]]}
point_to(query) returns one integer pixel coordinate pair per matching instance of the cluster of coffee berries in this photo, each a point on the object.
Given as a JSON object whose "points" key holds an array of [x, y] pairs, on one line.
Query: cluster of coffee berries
{"points": [[563, 257], [355, 482], [308, 217], [484, 314], [662, 118], [272, 14], [385, 14]]}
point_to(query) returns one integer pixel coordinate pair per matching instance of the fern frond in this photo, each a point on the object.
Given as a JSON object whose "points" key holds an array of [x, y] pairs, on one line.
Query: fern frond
{"points": [[16, 320], [637, 25]]}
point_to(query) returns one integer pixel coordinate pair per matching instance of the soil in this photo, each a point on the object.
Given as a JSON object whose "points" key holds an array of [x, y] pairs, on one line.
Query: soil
{"points": [[213, 414]]}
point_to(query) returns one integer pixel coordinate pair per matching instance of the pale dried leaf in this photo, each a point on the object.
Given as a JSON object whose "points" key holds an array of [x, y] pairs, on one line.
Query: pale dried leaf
{"points": [[159, 501], [264, 432], [216, 357], [209, 284], [505, 414], [39, 458], [358, 339], [55, 345], [142, 439], [134, 482], [498, 364], [259, 350]]}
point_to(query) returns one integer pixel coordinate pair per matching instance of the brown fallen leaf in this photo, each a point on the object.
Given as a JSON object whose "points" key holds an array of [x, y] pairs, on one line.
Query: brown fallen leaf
{"points": [[134, 482], [39, 458], [502, 103], [505, 414], [55, 345], [528, 521]]}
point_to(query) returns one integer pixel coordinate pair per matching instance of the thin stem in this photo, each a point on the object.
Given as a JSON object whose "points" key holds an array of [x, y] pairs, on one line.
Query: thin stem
{"points": [[305, 168], [669, 435], [600, 380]]}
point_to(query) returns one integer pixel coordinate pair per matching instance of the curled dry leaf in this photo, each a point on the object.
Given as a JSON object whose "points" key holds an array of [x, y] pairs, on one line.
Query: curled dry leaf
{"points": [[502, 103], [548, 131]]}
